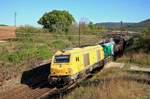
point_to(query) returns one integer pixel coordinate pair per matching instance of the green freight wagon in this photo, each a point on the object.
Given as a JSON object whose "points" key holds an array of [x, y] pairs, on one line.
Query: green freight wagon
{"points": [[108, 49]]}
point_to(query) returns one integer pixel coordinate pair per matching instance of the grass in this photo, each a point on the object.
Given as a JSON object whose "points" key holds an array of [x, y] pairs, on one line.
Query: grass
{"points": [[27, 49], [138, 52], [110, 85], [30, 47], [141, 58]]}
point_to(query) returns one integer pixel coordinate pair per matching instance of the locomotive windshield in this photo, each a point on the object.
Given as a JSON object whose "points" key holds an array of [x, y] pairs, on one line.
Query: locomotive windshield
{"points": [[62, 59]]}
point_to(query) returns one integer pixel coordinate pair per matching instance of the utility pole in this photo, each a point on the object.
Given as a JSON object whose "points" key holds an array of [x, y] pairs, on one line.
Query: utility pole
{"points": [[79, 33], [15, 20], [121, 23]]}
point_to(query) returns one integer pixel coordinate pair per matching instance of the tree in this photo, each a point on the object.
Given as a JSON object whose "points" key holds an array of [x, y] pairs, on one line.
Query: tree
{"points": [[91, 25], [56, 21]]}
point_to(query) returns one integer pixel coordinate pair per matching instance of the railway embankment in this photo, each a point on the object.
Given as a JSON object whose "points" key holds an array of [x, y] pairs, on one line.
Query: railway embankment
{"points": [[107, 81], [114, 83], [34, 84]]}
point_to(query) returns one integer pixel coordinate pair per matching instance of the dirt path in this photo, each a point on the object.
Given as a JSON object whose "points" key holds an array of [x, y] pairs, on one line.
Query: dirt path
{"points": [[136, 68], [24, 92], [132, 67], [9, 84], [114, 65]]}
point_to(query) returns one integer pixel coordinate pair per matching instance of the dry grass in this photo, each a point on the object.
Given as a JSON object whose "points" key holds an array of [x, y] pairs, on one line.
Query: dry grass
{"points": [[141, 58], [105, 86], [114, 89]]}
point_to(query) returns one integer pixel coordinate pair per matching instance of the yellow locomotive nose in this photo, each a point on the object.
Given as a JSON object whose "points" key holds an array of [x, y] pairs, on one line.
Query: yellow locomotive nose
{"points": [[61, 66], [64, 71]]}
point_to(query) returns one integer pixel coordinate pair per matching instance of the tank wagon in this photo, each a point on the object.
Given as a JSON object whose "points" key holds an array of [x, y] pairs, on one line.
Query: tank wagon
{"points": [[72, 64]]}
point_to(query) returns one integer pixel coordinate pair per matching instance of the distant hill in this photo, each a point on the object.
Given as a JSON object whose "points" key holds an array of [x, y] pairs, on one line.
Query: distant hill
{"points": [[145, 23], [114, 25], [140, 25], [131, 26]]}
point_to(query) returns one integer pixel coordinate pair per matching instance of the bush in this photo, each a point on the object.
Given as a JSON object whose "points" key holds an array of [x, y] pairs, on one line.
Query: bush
{"points": [[145, 40]]}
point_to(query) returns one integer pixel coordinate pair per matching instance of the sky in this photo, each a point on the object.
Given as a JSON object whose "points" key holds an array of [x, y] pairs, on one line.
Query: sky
{"points": [[29, 11]]}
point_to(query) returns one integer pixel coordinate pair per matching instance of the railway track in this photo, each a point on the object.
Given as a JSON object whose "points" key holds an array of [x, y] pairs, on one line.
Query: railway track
{"points": [[60, 92], [24, 92], [42, 90], [39, 90]]}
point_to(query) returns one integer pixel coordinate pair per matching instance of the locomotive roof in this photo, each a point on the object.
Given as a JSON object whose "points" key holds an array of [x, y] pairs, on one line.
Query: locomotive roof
{"points": [[75, 50]]}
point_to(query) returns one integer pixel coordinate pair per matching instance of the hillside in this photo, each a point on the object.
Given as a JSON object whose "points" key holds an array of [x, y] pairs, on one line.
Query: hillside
{"points": [[140, 26], [145, 23], [114, 25], [131, 25]]}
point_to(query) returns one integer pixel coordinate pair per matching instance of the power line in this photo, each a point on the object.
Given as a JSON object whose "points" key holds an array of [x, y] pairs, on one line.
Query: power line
{"points": [[15, 20]]}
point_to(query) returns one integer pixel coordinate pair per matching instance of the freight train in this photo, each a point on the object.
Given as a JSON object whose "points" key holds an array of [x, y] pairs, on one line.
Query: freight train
{"points": [[72, 64]]}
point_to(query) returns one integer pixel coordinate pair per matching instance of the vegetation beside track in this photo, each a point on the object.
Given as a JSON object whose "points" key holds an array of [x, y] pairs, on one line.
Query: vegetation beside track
{"points": [[139, 52], [140, 58], [114, 84], [33, 45], [119, 83]]}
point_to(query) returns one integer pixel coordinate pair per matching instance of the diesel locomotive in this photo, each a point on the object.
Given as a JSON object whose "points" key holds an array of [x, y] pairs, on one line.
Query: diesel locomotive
{"points": [[72, 64]]}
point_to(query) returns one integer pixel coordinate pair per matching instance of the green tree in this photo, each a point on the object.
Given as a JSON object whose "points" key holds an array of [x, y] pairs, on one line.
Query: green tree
{"points": [[91, 25], [56, 21]]}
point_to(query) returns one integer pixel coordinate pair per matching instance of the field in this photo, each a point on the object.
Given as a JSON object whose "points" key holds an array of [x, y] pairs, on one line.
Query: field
{"points": [[30, 48], [113, 83], [7, 32], [116, 83], [140, 58]]}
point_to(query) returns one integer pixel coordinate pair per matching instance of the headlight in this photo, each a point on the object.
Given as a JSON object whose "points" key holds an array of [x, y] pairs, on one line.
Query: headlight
{"points": [[52, 71], [70, 70]]}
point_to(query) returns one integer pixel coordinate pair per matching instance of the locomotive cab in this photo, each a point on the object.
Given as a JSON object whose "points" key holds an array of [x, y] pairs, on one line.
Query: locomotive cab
{"points": [[61, 65], [61, 69]]}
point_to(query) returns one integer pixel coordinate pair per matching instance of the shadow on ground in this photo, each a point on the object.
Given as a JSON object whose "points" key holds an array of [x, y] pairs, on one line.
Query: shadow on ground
{"points": [[37, 77]]}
